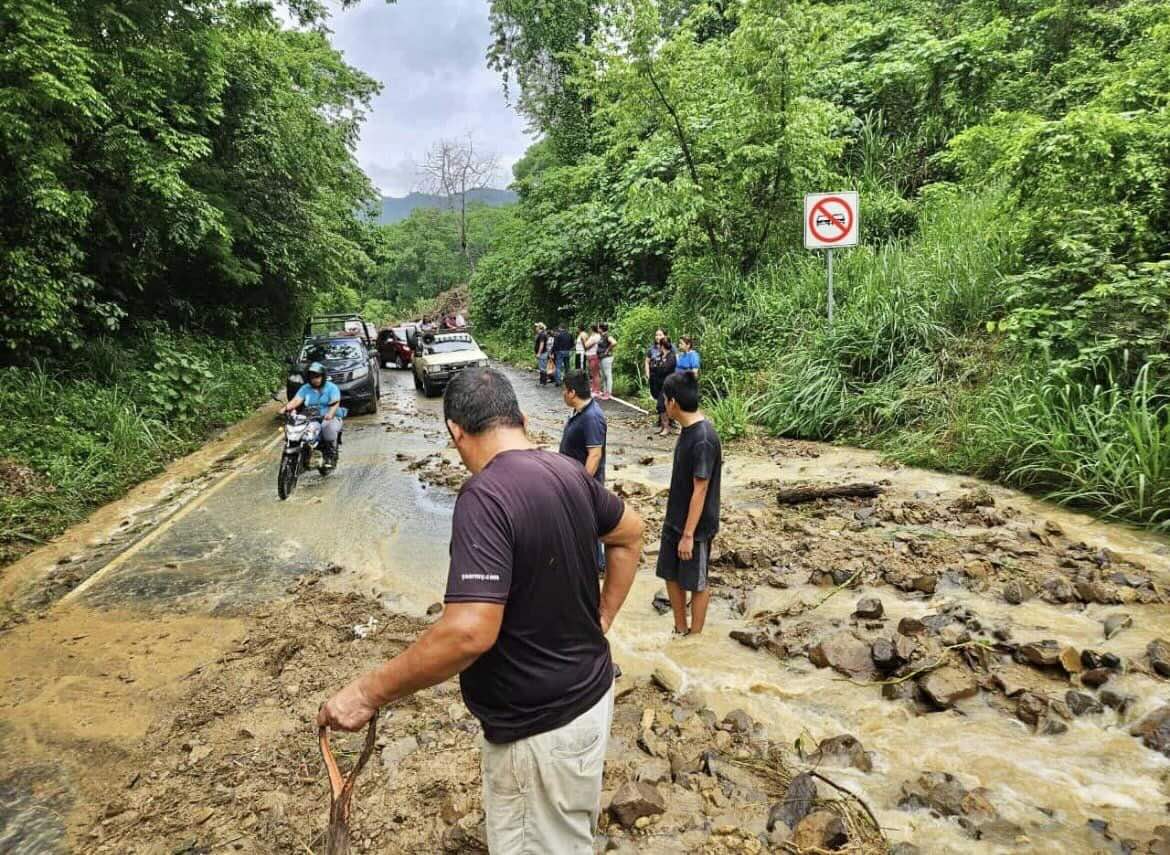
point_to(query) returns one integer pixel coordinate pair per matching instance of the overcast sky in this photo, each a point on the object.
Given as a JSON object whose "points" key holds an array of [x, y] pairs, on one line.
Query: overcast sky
{"points": [[429, 57]]}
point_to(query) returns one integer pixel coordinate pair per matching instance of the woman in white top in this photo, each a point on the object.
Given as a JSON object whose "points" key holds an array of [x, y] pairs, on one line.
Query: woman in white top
{"points": [[579, 359]]}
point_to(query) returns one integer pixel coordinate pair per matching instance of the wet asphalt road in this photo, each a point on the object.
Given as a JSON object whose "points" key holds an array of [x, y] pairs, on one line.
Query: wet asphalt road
{"points": [[373, 516]]}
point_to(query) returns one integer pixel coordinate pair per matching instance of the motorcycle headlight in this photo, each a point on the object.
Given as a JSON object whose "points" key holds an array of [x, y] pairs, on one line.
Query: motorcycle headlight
{"points": [[359, 373], [296, 378]]}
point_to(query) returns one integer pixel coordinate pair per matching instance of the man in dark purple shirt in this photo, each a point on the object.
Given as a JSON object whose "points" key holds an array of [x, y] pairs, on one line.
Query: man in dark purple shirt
{"points": [[524, 624]]}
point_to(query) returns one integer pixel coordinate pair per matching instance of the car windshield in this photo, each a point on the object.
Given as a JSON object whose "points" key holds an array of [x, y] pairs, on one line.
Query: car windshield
{"points": [[450, 346], [400, 333], [333, 350]]}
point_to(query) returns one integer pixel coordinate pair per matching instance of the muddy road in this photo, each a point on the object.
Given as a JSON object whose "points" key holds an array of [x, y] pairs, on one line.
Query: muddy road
{"points": [[937, 656]]}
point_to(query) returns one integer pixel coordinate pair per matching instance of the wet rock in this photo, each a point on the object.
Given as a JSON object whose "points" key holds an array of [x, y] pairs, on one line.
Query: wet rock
{"points": [[937, 623], [1095, 678], [1070, 660], [843, 750], [1154, 730], [737, 721], [652, 744], [821, 830], [661, 601], [905, 647], [905, 849], [1016, 592], [947, 686], [1031, 707], [753, 639], [911, 626], [796, 804], [1049, 726], [1116, 623], [942, 793], [1115, 700], [903, 691], [434, 608], [1082, 704], [1061, 708], [399, 750], [884, 654], [1159, 652], [846, 653], [1041, 654], [869, 608], [1058, 590], [1097, 592], [990, 517], [636, 799], [667, 679]]}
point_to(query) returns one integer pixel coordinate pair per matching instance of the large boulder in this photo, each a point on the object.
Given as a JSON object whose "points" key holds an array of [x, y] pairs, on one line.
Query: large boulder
{"points": [[1159, 652], [843, 750], [1154, 730], [1041, 654], [869, 608], [943, 793], [846, 653], [948, 685], [635, 800]]}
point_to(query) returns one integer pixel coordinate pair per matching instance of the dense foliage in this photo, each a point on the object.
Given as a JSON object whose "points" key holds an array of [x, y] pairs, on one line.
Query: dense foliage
{"points": [[183, 160], [1009, 310]]}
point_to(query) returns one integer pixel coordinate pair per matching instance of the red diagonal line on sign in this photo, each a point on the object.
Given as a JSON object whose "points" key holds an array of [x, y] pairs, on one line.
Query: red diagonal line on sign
{"points": [[822, 208]]}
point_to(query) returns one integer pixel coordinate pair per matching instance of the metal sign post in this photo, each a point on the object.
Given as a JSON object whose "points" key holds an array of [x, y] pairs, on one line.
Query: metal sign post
{"points": [[829, 264], [830, 221]]}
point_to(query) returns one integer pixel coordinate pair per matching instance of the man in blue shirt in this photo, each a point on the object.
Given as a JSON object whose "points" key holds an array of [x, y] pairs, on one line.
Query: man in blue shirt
{"points": [[322, 394], [584, 435]]}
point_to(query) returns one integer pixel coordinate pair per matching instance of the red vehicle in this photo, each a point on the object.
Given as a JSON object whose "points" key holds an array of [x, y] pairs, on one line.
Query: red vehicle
{"points": [[394, 347]]}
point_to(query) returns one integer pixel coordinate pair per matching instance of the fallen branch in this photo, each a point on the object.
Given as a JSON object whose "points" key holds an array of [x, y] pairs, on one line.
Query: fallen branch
{"points": [[810, 493], [849, 794]]}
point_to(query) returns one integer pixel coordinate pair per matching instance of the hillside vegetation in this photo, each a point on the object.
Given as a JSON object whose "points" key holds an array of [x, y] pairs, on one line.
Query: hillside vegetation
{"points": [[1008, 312], [179, 188]]}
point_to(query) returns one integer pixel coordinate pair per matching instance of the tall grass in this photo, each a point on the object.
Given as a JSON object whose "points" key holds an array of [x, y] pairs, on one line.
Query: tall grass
{"points": [[1102, 446]]}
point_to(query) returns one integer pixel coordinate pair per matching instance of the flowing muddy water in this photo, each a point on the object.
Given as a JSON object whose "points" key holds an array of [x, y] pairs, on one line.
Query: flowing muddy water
{"points": [[384, 517]]}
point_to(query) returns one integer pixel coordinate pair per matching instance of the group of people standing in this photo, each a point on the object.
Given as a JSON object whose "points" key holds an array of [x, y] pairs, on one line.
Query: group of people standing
{"points": [[663, 360], [590, 351]]}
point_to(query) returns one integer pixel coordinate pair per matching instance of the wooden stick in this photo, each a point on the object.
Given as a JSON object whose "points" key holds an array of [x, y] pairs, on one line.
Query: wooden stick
{"points": [[811, 492]]}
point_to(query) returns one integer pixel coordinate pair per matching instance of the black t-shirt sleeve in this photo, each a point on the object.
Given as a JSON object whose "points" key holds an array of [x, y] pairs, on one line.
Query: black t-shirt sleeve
{"points": [[481, 552], [703, 459], [607, 507]]}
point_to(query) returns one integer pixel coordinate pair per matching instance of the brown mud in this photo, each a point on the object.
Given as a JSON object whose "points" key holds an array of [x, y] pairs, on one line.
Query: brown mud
{"points": [[968, 669]]}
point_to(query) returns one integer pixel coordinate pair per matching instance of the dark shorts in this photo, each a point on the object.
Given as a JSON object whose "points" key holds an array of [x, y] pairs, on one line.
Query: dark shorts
{"points": [[691, 575]]}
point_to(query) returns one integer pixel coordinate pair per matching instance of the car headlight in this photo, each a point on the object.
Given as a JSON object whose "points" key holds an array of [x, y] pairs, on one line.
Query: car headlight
{"points": [[295, 378], [431, 369], [359, 373]]}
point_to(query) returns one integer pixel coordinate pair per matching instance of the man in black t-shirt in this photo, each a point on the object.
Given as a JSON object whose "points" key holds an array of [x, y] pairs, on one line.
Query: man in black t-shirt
{"points": [[524, 624], [692, 511], [562, 347]]}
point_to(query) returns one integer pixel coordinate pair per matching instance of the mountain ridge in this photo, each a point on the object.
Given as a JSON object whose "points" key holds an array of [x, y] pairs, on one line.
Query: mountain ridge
{"points": [[397, 208]]}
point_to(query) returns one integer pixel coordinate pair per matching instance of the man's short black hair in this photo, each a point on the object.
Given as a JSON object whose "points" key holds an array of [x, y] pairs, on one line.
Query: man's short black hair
{"points": [[481, 399], [683, 389], [577, 382]]}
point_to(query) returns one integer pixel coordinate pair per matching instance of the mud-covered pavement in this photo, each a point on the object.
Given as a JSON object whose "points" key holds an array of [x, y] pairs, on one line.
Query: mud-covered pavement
{"points": [[981, 670]]}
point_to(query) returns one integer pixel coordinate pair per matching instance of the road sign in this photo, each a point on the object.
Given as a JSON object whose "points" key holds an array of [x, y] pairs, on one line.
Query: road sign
{"points": [[830, 220]]}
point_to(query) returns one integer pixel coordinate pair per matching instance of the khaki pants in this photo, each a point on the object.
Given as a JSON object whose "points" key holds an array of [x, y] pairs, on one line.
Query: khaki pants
{"points": [[542, 794]]}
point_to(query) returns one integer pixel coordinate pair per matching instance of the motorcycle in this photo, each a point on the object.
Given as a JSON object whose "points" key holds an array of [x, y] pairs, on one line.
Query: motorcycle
{"points": [[302, 437]]}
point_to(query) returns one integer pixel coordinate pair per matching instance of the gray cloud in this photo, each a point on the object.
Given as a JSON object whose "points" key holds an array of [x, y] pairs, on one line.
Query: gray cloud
{"points": [[429, 56]]}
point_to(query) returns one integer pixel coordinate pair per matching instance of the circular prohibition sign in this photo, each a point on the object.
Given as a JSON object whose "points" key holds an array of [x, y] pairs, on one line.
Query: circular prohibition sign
{"points": [[840, 230]]}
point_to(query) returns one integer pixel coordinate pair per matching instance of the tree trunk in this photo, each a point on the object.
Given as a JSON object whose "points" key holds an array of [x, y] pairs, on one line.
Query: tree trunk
{"points": [[812, 492]]}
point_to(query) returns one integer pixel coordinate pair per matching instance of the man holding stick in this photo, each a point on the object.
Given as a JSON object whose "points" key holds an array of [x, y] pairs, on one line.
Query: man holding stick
{"points": [[524, 624]]}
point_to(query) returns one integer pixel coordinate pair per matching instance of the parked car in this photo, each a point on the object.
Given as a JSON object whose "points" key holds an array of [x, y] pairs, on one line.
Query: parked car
{"points": [[394, 347], [439, 356], [349, 363], [342, 324]]}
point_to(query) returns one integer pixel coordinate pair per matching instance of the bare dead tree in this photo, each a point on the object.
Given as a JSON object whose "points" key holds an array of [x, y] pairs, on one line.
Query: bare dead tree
{"points": [[453, 168]]}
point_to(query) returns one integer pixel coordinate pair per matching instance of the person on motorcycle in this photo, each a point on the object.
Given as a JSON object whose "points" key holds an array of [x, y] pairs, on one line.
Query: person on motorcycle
{"points": [[322, 394]]}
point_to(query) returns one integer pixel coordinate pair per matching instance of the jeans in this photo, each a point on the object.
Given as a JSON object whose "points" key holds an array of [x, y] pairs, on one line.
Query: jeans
{"points": [[562, 365], [542, 367], [543, 794], [607, 375]]}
